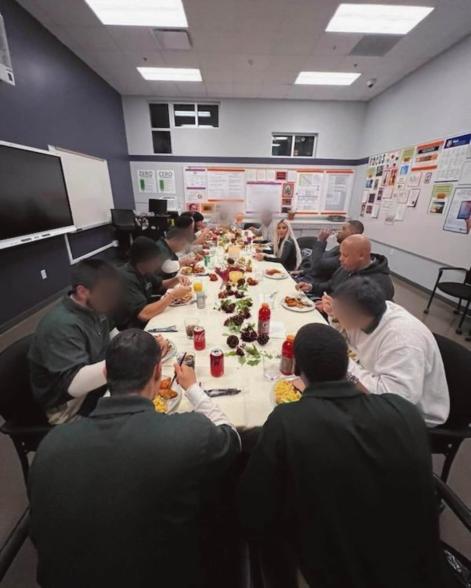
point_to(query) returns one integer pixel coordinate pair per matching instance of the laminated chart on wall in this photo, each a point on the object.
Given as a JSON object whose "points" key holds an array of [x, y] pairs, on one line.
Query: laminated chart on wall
{"points": [[309, 190], [196, 183], [338, 188], [455, 153], [166, 181], [226, 184], [458, 218], [263, 195], [146, 181]]}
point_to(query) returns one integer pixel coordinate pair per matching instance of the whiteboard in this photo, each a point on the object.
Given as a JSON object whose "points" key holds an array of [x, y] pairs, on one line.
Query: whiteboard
{"points": [[89, 187]]}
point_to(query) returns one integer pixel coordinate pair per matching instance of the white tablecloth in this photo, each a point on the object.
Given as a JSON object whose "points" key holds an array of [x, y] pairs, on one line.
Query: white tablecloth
{"points": [[252, 406]]}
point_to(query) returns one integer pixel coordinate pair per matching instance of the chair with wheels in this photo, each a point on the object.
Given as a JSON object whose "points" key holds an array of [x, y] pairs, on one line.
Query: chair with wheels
{"points": [[459, 290], [25, 422], [457, 567], [446, 439]]}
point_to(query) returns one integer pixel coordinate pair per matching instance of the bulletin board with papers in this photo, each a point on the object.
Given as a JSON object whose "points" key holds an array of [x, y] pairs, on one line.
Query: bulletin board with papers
{"points": [[419, 199]]}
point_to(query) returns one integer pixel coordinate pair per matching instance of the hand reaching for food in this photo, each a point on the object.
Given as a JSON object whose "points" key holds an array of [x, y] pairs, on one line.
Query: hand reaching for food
{"points": [[186, 376], [180, 292], [304, 286]]}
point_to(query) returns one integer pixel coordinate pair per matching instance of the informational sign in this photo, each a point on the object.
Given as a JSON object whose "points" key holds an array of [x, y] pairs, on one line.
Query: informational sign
{"points": [[439, 199], [195, 180], [455, 152], [146, 181], [166, 181], [458, 218], [337, 191], [263, 196], [226, 184], [309, 191], [426, 155]]}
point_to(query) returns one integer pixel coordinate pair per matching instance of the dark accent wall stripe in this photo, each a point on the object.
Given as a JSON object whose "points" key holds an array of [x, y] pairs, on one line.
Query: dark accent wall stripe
{"points": [[83, 242], [299, 161]]}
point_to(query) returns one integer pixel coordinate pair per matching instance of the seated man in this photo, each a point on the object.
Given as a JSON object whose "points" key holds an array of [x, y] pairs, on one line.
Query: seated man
{"points": [[397, 353], [321, 264], [356, 259], [118, 497], [267, 230], [145, 294], [345, 478], [196, 237], [68, 348], [174, 242]]}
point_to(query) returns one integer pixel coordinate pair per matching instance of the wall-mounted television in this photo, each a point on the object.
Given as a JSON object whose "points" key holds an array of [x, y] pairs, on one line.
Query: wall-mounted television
{"points": [[33, 196]]}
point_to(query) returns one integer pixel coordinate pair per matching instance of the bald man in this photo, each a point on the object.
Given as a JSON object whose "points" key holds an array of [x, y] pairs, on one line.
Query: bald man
{"points": [[356, 259]]}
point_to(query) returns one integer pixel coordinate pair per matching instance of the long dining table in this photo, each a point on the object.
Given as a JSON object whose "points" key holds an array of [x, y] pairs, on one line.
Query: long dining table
{"points": [[252, 406]]}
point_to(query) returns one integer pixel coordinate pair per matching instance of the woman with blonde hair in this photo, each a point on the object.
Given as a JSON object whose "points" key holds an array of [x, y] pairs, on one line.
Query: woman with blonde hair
{"points": [[285, 247]]}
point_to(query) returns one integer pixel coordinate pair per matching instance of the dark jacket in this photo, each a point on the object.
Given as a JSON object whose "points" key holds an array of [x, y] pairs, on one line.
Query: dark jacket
{"points": [[118, 498], [321, 263], [378, 271], [287, 256], [346, 479]]}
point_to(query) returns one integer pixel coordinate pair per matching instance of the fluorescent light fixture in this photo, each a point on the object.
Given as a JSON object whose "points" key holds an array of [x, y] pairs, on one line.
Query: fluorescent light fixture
{"points": [[281, 138], [201, 114], [386, 19], [170, 74], [275, 145], [141, 13], [326, 78]]}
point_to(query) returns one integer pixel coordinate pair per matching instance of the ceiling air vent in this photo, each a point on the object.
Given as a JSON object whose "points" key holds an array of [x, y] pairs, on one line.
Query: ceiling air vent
{"points": [[173, 39], [375, 45]]}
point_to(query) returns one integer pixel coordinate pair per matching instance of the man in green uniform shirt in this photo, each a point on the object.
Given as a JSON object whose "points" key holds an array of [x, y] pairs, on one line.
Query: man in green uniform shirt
{"points": [[68, 349], [175, 241], [145, 294]]}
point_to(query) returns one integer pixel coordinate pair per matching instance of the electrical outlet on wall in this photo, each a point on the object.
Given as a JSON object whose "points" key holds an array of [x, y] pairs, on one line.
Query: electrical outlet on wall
{"points": [[44, 274]]}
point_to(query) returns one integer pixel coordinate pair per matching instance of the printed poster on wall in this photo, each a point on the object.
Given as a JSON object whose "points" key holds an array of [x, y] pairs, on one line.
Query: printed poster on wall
{"points": [[458, 218], [309, 191], [440, 195], [195, 184], [455, 152], [146, 181], [426, 155], [263, 196], [226, 183], [338, 189], [166, 181]]}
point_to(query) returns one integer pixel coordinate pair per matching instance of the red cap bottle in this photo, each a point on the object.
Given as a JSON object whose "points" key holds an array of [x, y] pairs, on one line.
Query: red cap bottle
{"points": [[287, 356]]}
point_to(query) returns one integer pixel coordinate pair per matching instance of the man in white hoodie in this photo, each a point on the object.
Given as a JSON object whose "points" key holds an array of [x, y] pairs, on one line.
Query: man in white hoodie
{"points": [[396, 352]]}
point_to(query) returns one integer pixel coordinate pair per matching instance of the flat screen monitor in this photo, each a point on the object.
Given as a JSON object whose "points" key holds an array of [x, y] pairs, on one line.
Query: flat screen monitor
{"points": [[34, 203], [157, 206]]}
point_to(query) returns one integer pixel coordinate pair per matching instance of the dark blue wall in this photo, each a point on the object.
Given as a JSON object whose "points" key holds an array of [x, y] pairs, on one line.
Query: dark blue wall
{"points": [[57, 100]]}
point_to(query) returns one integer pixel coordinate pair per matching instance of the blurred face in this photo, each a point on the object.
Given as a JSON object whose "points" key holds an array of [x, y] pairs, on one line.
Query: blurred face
{"points": [[351, 257], [282, 230], [266, 218], [344, 232], [199, 225], [348, 316], [103, 298], [177, 245], [150, 266]]}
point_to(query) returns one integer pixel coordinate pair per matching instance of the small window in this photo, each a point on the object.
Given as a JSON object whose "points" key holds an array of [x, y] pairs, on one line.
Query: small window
{"points": [[161, 141], [160, 123], [196, 115], [291, 145], [159, 118]]}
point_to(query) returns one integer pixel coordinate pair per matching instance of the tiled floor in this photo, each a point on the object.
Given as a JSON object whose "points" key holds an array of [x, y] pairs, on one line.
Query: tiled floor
{"points": [[13, 496]]}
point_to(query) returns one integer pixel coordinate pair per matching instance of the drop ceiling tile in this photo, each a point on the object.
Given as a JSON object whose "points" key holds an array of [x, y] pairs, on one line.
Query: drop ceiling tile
{"points": [[70, 12], [134, 39]]}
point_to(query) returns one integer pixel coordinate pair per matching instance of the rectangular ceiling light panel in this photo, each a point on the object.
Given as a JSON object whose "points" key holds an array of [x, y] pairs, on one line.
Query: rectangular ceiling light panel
{"points": [[170, 74], [140, 13], [326, 78]]}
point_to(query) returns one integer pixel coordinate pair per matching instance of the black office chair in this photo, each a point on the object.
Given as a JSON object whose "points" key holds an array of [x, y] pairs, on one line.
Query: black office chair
{"points": [[459, 290], [457, 566], [248, 225], [124, 221], [447, 438], [25, 422]]}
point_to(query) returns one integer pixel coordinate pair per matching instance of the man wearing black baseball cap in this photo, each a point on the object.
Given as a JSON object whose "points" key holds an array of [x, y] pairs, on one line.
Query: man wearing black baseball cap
{"points": [[145, 294]]}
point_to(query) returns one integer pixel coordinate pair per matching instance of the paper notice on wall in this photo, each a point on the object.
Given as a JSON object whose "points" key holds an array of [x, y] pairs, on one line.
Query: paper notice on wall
{"points": [[337, 192], [263, 196], [439, 199], [309, 191], [250, 174], [195, 195], [166, 181], [389, 211], [195, 177], [146, 181], [414, 179], [400, 212], [261, 175], [458, 218], [426, 155], [452, 158], [292, 175], [226, 184], [271, 175], [387, 192], [465, 175], [413, 197], [375, 211]]}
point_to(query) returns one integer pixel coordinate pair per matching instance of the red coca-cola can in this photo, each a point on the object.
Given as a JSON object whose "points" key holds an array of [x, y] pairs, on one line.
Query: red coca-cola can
{"points": [[199, 338], [216, 358]]}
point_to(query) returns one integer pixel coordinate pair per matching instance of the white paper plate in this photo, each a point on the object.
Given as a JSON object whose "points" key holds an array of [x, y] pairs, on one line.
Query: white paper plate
{"points": [[281, 276], [172, 351], [309, 308]]}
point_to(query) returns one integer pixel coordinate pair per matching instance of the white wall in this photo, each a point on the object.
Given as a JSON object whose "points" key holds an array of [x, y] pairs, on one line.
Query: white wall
{"points": [[432, 102], [245, 128]]}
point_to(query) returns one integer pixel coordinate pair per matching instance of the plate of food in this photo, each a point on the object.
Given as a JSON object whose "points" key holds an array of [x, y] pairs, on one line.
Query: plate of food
{"points": [[298, 303], [167, 399], [193, 270], [189, 299], [275, 274], [170, 351], [286, 390]]}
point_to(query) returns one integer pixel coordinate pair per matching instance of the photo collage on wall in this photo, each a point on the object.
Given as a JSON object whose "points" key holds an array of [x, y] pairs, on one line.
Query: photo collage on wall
{"points": [[439, 170]]}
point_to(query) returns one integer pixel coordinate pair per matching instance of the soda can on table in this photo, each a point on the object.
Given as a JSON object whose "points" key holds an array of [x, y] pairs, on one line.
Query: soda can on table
{"points": [[199, 338], [216, 358]]}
